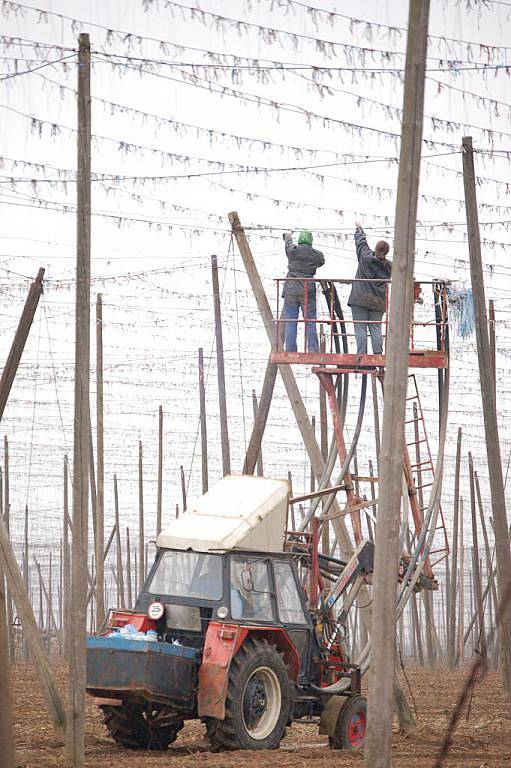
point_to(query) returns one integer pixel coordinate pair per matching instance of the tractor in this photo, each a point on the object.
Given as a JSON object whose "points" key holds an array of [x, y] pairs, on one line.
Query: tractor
{"points": [[241, 623]]}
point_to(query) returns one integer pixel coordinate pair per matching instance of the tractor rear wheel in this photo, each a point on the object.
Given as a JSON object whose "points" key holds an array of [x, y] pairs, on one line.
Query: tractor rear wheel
{"points": [[258, 701], [142, 726], [350, 728]]}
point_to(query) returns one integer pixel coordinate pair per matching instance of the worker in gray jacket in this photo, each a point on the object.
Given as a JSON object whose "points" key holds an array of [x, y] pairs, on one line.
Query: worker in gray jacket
{"points": [[303, 260], [368, 297]]}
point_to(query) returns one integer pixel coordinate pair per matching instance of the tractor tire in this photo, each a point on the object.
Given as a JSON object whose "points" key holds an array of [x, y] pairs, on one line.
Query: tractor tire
{"points": [[258, 701], [137, 726], [350, 728]]}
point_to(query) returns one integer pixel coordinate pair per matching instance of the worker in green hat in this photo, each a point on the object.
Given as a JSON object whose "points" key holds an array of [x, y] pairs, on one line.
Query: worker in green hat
{"points": [[300, 289]]}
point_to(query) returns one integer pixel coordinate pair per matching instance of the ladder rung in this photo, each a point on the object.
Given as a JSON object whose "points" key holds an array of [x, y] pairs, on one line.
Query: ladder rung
{"points": [[424, 485], [422, 464], [422, 440]]}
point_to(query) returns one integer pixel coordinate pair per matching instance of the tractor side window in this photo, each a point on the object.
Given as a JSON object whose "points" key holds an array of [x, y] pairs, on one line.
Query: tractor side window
{"points": [[250, 590], [288, 598]]}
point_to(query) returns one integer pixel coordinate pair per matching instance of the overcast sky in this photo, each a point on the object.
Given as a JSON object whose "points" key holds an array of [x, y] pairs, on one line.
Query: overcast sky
{"points": [[155, 115]]}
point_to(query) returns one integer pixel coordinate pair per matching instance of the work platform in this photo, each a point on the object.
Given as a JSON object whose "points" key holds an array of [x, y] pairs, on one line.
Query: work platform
{"points": [[329, 318]]}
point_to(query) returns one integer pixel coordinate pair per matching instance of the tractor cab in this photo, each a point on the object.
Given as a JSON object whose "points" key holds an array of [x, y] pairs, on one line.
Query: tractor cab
{"points": [[225, 630]]}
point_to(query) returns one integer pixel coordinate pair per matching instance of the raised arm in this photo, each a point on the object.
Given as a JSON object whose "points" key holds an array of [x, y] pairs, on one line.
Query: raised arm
{"points": [[361, 246], [288, 241]]}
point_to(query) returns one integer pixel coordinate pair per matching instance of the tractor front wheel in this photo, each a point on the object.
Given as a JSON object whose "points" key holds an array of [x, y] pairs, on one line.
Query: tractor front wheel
{"points": [[258, 701], [350, 728], [136, 726]]}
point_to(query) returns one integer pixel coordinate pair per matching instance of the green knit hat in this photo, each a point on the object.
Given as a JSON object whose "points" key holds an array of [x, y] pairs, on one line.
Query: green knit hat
{"points": [[305, 237]]}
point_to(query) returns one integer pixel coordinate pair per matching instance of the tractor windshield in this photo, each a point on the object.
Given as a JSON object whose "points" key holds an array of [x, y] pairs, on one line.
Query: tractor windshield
{"points": [[188, 574]]}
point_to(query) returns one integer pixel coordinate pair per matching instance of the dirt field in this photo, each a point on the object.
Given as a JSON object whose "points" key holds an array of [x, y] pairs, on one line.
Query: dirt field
{"points": [[484, 741]]}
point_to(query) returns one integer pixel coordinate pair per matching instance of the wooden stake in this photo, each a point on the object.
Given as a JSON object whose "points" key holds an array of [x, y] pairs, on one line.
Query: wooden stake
{"points": [[503, 553], [66, 560], [451, 637], [263, 409], [128, 569], [33, 636], [118, 546], [100, 459], [481, 644], [159, 494], [255, 408], [378, 750], [7, 755], [77, 673], [183, 490], [203, 423], [461, 619], [141, 536], [222, 397]]}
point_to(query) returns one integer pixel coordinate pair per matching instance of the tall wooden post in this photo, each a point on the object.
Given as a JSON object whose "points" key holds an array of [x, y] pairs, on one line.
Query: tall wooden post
{"points": [[141, 535], [66, 564], [159, 489], [503, 554], [128, 569], [493, 345], [118, 547], [255, 408], [100, 471], [378, 751], [461, 617], [263, 409], [76, 722], [478, 590], [222, 398], [451, 630], [7, 756], [203, 423], [183, 488]]}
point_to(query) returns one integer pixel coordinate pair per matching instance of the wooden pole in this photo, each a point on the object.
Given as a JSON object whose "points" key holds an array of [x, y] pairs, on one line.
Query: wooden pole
{"points": [[203, 423], [222, 397], [141, 537], [20, 338], [128, 569], [378, 750], [503, 554], [451, 637], [100, 472], [7, 518], [255, 408], [66, 565], [26, 571], [183, 488], [493, 345], [481, 645], [461, 619], [490, 581], [77, 673], [7, 755], [118, 546], [30, 628], [263, 410], [159, 494]]}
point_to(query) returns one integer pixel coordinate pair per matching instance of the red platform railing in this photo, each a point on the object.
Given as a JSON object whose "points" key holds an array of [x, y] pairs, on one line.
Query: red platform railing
{"points": [[428, 328]]}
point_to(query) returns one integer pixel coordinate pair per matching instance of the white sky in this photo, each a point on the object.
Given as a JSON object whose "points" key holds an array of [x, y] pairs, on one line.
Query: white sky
{"points": [[156, 285]]}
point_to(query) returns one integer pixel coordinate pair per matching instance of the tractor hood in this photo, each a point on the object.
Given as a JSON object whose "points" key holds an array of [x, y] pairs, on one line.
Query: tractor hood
{"points": [[241, 511]]}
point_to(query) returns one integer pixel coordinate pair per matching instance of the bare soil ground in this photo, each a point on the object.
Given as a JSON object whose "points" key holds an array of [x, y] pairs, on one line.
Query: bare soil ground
{"points": [[482, 741]]}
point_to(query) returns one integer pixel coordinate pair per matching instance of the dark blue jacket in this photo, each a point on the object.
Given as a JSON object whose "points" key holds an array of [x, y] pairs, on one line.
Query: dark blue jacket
{"points": [[370, 295], [302, 261]]}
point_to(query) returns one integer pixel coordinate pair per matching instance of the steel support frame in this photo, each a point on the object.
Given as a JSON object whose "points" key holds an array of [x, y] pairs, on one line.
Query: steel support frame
{"points": [[327, 382]]}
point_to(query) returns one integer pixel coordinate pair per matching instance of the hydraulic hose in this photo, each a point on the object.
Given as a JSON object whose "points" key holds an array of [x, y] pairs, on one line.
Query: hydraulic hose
{"points": [[424, 542]]}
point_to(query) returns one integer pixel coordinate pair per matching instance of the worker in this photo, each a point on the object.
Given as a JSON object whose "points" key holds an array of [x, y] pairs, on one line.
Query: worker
{"points": [[303, 261], [368, 297]]}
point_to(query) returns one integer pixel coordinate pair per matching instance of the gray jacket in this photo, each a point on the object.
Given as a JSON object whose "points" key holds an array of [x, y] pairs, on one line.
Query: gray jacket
{"points": [[302, 261], [370, 295]]}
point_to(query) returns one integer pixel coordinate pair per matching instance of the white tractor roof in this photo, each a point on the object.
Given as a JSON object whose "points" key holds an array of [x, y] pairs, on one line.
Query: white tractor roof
{"points": [[241, 511]]}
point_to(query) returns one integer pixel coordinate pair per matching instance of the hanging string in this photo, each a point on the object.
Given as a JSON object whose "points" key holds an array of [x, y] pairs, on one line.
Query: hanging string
{"points": [[234, 270]]}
